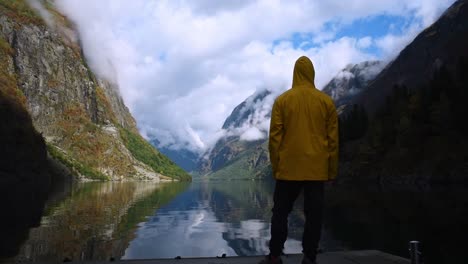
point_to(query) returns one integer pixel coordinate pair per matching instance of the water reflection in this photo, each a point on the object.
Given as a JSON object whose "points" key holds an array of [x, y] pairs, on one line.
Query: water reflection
{"points": [[96, 221], [213, 218], [132, 220]]}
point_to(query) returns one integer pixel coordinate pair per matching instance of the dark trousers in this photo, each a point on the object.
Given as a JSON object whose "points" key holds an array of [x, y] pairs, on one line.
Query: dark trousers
{"points": [[286, 192]]}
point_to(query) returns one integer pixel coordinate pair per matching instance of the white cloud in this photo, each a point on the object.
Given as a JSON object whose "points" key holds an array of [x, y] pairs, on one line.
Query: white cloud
{"points": [[251, 134], [365, 42], [182, 66]]}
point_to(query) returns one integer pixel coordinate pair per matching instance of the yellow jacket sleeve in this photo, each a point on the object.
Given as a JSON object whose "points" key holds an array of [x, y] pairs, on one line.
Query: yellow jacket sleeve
{"points": [[332, 137], [276, 136]]}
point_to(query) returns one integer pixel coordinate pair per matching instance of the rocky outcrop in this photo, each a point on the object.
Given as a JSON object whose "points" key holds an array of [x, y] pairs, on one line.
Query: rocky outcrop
{"points": [[83, 118]]}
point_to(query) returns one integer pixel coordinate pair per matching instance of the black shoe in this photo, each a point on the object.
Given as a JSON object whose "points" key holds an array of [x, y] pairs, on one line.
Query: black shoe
{"points": [[306, 260], [271, 260]]}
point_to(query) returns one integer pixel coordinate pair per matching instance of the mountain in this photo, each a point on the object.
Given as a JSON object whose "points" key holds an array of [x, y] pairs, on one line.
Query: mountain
{"points": [[82, 118], [352, 80], [243, 113], [235, 157], [408, 128], [184, 158], [442, 43]]}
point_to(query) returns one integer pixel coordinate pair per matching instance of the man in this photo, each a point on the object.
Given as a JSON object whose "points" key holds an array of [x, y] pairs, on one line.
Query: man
{"points": [[303, 149]]}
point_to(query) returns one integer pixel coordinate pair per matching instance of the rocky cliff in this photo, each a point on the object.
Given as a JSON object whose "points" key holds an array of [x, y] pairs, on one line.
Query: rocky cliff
{"points": [[82, 118]]}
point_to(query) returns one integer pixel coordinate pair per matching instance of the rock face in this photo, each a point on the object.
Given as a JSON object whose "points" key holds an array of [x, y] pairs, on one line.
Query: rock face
{"points": [[83, 118]]}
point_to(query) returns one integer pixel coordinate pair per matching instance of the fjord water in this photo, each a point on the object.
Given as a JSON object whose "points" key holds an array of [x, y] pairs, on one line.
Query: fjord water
{"points": [[136, 220]]}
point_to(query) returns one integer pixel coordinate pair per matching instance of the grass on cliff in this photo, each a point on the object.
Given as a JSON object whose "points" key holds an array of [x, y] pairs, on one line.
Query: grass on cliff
{"points": [[20, 11], [144, 152], [74, 165]]}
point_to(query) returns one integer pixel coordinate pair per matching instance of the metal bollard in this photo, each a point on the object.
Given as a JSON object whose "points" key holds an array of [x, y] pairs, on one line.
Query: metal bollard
{"points": [[414, 252]]}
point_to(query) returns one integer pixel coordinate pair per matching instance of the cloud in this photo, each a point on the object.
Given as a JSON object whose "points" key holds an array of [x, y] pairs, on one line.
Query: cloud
{"points": [[252, 133], [182, 66], [364, 43]]}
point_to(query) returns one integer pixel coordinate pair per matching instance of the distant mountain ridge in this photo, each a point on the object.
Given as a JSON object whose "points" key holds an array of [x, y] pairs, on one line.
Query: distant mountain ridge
{"points": [[183, 157]]}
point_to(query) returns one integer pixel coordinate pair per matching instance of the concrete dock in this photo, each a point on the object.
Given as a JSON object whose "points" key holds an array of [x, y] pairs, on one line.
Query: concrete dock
{"points": [[343, 257]]}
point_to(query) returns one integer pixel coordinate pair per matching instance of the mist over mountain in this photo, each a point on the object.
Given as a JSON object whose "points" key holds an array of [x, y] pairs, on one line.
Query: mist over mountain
{"points": [[352, 80], [243, 151], [380, 105], [183, 157], [182, 67]]}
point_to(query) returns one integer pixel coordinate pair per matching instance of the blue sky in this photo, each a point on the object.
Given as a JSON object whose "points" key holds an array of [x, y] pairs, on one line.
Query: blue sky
{"points": [[373, 27], [182, 66]]}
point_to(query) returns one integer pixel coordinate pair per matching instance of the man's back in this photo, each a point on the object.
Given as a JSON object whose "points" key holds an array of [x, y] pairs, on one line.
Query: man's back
{"points": [[304, 130]]}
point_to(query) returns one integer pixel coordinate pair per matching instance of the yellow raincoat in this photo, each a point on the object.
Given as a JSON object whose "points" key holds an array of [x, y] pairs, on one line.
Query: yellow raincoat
{"points": [[303, 141]]}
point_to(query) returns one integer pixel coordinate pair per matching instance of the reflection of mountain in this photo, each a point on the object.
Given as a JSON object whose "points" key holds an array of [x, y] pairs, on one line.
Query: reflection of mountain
{"points": [[97, 220], [210, 219]]}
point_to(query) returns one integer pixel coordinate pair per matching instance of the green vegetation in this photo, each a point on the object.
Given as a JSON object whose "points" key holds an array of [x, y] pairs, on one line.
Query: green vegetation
{"points": [[144, 152], [74, 165], [253, 163], [88, 144], [20, 11]]}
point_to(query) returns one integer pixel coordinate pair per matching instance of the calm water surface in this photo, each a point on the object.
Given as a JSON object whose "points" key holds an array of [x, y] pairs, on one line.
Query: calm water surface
{"points": [[134, 220]]}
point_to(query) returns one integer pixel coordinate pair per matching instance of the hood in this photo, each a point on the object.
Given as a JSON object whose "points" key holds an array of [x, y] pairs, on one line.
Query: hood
{"points": [[304, 73]]}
